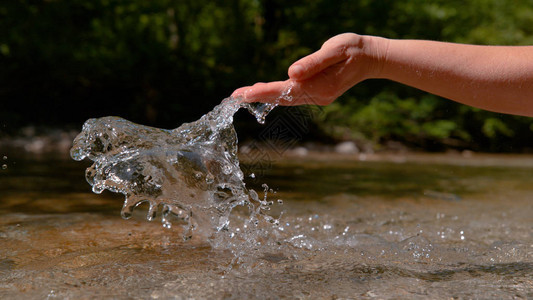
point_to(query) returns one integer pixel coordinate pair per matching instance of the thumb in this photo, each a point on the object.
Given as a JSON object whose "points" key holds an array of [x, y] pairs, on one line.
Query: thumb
{"points": [[314, 63]]}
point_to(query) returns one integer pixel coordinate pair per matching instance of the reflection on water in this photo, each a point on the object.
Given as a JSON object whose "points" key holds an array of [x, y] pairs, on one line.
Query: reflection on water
{"points": [[420, 227]]}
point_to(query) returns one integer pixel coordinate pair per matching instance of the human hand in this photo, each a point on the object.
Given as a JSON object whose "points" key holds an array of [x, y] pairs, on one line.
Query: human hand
{"points": [[321, 77]]}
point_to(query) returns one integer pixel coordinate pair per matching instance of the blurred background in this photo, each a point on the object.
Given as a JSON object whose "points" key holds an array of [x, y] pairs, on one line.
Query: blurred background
{"points": [[164, 62]]}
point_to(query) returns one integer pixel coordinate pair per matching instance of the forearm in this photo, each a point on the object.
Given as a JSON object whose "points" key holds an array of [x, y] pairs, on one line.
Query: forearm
{"points": [[496, 78]]}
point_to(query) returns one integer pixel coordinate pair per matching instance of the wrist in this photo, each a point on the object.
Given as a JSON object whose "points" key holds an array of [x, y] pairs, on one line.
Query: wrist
{"points": [[377, 49]]}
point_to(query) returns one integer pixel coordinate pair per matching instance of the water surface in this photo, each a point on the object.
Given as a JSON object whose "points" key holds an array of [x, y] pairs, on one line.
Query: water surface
{"points": [[416, 226]]}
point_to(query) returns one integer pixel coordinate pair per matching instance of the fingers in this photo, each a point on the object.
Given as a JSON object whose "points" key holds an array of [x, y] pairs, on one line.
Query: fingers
{"points": [[240, 92], [314, 63], [286, 93], [263, 92], [266, 92], [289, 93]]}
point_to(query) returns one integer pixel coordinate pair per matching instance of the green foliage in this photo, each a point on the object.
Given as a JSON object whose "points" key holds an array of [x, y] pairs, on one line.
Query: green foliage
{"points": [[145, 60], [493, 126], [387, 117], [164, 62]]}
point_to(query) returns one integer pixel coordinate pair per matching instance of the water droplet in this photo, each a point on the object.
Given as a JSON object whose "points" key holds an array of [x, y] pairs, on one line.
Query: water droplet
{"points": [[4, 166], [5, 157], [227, 169], [98, 188], [252, 175], [126, 214]]}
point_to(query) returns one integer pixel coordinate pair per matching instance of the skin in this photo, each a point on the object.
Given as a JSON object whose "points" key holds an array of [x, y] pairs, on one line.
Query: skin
{"points": [[495, 78]]}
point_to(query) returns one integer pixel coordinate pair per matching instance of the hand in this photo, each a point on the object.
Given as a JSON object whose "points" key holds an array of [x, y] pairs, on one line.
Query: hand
{"points": [[323, 76]]}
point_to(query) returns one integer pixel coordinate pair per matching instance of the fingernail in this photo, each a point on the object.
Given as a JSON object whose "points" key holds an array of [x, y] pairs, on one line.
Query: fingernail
{"points": [[296, 71]]}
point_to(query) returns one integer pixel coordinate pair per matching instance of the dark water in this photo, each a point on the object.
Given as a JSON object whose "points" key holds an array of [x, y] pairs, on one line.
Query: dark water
{"points": [[418, 226]]}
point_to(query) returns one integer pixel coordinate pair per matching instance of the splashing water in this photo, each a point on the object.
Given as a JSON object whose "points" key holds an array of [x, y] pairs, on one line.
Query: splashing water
{"points": [[190, 173], [261, 110]]}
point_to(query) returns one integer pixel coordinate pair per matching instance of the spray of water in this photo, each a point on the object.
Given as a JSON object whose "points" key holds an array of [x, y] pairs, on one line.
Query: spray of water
{"points": [[190, 174]]}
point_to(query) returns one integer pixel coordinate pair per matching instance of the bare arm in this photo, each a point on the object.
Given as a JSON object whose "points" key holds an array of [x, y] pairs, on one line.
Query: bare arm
{"points": [[495, 78]]}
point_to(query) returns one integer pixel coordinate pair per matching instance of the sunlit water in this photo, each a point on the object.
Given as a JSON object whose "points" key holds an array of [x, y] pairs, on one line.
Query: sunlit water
{"points": [[415, 226], [190, 173]]}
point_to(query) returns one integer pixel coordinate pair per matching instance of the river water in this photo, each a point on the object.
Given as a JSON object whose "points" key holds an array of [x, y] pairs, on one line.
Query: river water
{"points": [[399, 226]]}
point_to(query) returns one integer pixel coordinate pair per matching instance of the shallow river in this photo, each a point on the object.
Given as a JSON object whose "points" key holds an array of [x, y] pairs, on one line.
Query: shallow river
{"points": [[415, 226]]}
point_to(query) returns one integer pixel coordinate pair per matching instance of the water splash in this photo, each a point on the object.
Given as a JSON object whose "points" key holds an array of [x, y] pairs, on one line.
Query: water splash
{"points": [[190, 173], [261, 110]]}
